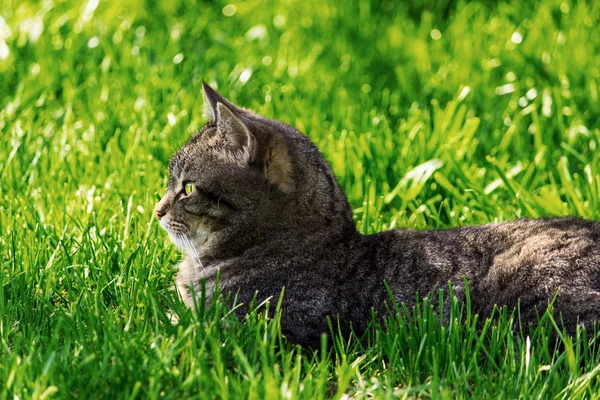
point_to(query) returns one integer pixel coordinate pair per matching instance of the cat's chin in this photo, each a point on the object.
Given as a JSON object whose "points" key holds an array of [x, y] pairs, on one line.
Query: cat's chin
{"points": [[179, 242], [187, 245]]}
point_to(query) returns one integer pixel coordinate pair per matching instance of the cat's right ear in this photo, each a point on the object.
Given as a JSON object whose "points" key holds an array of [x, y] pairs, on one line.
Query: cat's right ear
{"points": [[211, 99]]}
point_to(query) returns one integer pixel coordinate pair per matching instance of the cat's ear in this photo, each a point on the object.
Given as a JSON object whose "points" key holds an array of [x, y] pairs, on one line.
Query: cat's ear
{"points": [[211, 99], [272, 154], [242, 144]]}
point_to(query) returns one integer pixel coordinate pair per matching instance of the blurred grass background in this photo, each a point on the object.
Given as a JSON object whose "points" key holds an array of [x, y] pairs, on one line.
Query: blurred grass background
{"points": [[432, 114]]}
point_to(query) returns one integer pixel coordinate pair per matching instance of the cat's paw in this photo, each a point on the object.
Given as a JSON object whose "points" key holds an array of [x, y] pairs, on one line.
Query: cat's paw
{"points": [[173, 318]]}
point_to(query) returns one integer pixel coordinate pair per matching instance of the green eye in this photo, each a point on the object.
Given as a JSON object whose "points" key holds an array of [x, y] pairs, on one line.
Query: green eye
{"points": [[189, 188]]}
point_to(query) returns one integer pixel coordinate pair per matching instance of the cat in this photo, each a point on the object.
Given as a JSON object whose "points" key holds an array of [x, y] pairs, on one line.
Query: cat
{"points": [[253, 200]]}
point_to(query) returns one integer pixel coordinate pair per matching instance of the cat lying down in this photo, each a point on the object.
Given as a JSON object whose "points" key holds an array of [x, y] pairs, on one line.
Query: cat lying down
{"points": [[254, 199]]}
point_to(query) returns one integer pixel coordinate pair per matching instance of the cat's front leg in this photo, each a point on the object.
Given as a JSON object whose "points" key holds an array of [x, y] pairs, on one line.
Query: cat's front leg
{"points": [[189, 282]]}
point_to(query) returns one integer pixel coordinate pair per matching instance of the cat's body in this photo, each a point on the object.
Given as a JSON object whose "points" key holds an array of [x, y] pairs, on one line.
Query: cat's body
{"points": [[524, 260], [270, 216]]}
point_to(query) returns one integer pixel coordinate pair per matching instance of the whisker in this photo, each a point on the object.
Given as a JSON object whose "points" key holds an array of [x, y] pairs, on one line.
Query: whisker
{"points": [[189, 242], [191, 245]]}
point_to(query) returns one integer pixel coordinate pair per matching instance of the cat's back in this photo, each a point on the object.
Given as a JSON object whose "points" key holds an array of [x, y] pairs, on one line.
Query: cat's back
{"points": [[500, 260], [545, 252], [558, 243], [513, 241], [533, 260]]}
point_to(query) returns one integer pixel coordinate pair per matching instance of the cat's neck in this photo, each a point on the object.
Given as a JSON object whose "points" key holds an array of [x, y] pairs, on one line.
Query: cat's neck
{"points": [[275, 242]]}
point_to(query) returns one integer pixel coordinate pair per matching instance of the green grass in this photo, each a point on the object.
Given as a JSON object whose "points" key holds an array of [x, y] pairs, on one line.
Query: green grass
{"points": [[433, 114]]}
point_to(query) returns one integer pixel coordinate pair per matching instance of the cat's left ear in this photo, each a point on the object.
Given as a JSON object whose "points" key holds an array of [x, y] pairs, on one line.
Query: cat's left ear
{"points": [[211, 99], [220, 111], [241, 143]]}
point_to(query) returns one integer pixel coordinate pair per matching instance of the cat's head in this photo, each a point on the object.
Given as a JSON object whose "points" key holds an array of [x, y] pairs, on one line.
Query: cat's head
{"points": [[243, 181]]}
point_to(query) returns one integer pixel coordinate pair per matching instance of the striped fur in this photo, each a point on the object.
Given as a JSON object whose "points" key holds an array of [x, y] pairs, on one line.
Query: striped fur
{"points": [[268, 214]]}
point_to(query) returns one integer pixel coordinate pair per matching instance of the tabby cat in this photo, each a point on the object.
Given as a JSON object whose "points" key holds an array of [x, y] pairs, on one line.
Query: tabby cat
{"points": [[254, 199]]}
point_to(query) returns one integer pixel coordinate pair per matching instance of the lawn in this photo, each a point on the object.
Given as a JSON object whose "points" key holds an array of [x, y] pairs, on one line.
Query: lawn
{"points": [[433, 114]]}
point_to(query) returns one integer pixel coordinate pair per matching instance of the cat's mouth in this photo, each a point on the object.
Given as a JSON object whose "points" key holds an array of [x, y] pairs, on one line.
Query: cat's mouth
{"points": [[180, 236]]}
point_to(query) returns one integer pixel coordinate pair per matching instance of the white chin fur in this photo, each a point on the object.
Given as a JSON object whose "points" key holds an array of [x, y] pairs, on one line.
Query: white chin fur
{"points": [[179, 242], [183, 244]]}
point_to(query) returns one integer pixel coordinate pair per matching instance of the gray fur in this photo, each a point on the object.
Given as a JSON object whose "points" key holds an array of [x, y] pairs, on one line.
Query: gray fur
{"points": [[269, 214]]}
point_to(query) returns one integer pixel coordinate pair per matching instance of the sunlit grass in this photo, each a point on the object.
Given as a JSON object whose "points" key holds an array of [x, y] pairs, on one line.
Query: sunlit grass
{"points": [[432, 115]]}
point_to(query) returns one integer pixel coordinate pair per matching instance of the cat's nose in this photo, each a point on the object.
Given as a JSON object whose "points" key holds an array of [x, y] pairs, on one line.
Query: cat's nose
{"points": [[160, 212]]}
